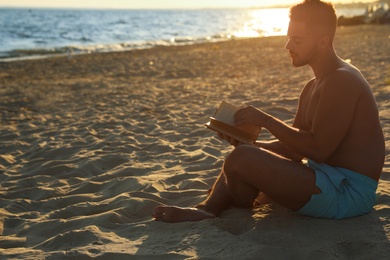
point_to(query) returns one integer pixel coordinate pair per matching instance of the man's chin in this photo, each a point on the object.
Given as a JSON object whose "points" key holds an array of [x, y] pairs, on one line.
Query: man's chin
{"points": [[297, 64]]}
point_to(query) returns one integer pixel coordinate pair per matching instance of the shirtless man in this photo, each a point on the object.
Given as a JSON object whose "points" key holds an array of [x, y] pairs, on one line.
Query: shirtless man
{"points": [[336, 128]]}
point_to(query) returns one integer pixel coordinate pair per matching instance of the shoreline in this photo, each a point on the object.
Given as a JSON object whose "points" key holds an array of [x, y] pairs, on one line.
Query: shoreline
{"points": [[70, 51]]}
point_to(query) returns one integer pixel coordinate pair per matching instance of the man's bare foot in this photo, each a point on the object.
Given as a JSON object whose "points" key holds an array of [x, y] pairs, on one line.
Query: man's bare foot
{"points": [[174, 214]]}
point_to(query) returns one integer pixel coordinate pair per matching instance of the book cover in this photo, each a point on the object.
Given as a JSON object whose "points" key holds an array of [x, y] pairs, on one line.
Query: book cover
{"points": [[223, 121]]}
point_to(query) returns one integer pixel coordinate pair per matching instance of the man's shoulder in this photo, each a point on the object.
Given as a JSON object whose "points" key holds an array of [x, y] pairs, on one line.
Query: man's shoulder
{"points": [[347, 71], [347, 76]]}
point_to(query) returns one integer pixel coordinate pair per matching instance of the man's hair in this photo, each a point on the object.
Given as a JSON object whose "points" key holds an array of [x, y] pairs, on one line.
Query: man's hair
{"points": [[320, 17]]}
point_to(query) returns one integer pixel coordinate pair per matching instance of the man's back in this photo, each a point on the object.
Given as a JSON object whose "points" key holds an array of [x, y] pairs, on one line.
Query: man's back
{"points": [[342, 104]]}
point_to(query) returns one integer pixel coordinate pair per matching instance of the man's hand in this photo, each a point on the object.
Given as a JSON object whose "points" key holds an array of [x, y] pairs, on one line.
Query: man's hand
{"points": [[229, 139], [251, 115]]}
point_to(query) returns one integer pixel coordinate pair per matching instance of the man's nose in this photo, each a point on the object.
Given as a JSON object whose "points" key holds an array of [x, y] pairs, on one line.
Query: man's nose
{"points": [[288, 45]]}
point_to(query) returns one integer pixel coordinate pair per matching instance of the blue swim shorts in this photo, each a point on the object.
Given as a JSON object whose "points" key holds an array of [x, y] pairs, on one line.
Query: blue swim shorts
{"points": [[344, 193]]}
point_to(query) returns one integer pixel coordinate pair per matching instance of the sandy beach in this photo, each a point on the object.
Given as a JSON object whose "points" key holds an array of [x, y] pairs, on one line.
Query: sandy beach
{"points": [[91, 144]]}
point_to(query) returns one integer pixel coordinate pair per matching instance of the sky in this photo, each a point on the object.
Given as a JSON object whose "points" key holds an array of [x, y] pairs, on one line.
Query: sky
{"points": [[152, 4]]}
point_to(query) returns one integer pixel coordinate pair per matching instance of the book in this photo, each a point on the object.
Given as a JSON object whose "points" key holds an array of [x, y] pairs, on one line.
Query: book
{"points": [[223, 121]]}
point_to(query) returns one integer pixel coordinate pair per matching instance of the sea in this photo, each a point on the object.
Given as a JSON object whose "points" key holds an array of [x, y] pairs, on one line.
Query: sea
{"points": [[36, 33]]}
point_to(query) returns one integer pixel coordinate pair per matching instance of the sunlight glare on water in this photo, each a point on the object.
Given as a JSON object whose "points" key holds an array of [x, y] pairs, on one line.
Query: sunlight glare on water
{"points": [[265, 22]]}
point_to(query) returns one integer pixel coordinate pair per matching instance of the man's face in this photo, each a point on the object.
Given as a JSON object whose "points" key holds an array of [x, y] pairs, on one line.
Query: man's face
{"points": [[301, 44]]}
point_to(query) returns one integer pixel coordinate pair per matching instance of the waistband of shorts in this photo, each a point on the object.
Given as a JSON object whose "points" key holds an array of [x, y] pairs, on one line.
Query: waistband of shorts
{"points": [[346, 174]]}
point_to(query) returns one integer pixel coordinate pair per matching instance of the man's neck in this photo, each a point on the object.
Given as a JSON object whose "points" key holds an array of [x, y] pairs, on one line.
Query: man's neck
{"points": [[325, 63]]}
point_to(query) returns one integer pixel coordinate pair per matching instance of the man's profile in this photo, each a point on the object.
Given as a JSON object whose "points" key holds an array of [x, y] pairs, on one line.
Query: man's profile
{"points": [[336, 128]]}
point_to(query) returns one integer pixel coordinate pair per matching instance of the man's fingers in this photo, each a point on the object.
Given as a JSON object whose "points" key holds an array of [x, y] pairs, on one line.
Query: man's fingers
{"points": [[230, 140]]}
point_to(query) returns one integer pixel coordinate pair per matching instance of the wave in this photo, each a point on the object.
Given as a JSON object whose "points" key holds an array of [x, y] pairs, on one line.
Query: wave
{"points": [[38, 53]]}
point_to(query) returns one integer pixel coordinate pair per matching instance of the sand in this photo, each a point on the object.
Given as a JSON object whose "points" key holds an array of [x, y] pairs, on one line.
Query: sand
{"points": [[91, 144]]}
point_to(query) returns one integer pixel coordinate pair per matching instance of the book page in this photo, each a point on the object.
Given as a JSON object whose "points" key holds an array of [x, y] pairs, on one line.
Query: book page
{"points": [[225, 113]]}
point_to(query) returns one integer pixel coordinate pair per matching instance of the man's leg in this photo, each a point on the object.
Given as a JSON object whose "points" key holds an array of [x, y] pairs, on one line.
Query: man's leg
{"points": [[218, 199], [249, 170]]}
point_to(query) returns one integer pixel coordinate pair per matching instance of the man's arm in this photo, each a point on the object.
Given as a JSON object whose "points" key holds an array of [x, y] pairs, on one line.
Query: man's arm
{"points": [[277, 147], [329, 124]]}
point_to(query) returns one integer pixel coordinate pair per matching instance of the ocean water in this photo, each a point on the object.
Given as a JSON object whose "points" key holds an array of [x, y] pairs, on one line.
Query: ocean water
{"points": [[26, 33]]}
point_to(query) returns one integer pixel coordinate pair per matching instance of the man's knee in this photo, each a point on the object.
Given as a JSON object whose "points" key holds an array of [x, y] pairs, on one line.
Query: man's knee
{"points": [[235, 158], [245, 156], [241, 157]]}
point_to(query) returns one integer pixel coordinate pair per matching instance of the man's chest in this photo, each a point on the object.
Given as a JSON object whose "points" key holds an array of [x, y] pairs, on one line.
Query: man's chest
{"points": [[309, 103]]}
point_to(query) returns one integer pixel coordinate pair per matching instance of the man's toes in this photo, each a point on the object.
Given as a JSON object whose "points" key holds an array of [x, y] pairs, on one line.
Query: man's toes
{"points": [[159, 213]]}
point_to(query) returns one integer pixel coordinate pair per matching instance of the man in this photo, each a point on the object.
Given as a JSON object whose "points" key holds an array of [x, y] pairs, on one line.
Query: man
{"points": [[336, 128]]}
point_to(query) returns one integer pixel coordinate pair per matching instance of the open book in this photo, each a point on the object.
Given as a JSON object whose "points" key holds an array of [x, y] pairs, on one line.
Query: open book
{"points": [[223, 121]]}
